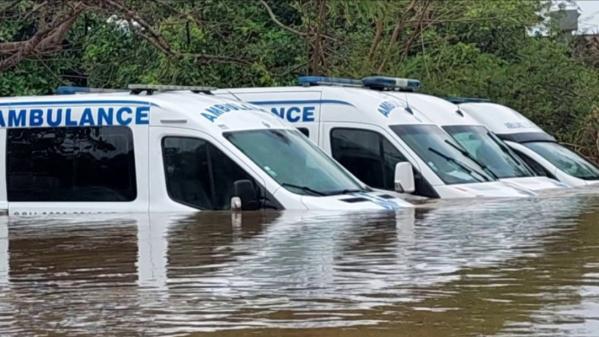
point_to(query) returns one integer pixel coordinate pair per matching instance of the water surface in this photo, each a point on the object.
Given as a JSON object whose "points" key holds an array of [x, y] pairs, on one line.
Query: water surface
{"points": [[484, 268]]}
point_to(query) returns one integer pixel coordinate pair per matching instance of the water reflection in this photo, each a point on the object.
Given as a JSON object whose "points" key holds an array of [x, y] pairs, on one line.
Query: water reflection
{"points": [[454, 269]]}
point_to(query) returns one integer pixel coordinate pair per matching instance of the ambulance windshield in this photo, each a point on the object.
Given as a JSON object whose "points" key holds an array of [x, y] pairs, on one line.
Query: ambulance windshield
{"points": [[294, 162], [565, 160], [431, 144], [488, 150]]}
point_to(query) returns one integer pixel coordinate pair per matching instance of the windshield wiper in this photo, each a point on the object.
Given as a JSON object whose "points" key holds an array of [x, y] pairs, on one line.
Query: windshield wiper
{"points": [[304, 188], [471, 157], [345, 191], [457, 162], [507, 151]]}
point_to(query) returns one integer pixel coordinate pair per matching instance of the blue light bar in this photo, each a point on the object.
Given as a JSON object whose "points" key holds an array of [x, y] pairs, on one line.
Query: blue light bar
{"points": [[323, 80], [391, 83], [71, 90], [460, 100]]}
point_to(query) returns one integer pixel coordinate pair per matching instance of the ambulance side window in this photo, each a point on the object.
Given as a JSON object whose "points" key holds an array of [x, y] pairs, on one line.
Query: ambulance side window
{"points": [[198, 174], [71, 164], [366, 154], [305, 131]]}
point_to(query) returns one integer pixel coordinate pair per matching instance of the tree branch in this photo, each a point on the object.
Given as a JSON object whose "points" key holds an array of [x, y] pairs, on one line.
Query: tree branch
{"points": [[49, 38], [273, 17]]}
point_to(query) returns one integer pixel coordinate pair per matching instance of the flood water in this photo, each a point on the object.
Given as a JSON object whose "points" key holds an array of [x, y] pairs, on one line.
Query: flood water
{"points": [[483, 268]]}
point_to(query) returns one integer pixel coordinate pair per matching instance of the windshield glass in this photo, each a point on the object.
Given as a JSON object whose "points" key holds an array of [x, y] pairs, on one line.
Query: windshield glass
{"points": [[565, 160], [294, 162], [430, 143], [488, 150]]}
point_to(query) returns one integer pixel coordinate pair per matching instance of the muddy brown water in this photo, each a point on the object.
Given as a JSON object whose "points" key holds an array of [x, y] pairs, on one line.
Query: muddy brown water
{"points": [[525, 267]]}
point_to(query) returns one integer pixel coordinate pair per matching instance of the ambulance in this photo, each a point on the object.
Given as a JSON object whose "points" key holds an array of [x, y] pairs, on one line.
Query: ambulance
{"points": [[477, 142], [539, 149], [377, 137], [164, 149]]}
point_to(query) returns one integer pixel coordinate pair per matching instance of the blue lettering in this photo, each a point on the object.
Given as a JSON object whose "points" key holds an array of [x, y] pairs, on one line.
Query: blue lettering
{"points": [[385, 108], [290, 117], [105, 116], [69, 118], [209, 116], [231, 106], [119, 116], [308, 114], [87, 118], [54, 122], [2, 124], [17, 119], [142, 115], [36, 117], [279, 112], [222, 107], [215, 111]]}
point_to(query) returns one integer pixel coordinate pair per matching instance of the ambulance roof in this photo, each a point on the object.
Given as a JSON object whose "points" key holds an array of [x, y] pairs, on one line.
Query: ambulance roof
{"points": [[378, 107], [500, 119], [198, 110], [438, 110]]}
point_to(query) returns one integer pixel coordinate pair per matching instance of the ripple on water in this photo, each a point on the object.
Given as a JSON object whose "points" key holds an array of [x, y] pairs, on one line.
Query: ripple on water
{"points": [[518, 267]]}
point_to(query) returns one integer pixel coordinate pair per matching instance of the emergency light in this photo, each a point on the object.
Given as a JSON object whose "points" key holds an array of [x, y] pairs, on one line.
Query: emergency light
{"points": [[308, 81], [150, 88], [72, 90], [391, 83], [371, 82], [460, 100]]}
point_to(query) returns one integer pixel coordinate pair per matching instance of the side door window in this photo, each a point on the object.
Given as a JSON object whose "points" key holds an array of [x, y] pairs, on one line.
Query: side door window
{"points": [[200, 175], [366, 154]]}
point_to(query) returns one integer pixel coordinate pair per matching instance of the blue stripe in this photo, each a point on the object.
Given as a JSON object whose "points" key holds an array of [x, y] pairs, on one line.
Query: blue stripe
{"points": [[66, 103], [311, 101]]}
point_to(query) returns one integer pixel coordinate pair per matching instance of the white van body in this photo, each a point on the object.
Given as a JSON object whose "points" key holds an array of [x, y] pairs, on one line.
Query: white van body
{"points": [[146, 131], [321, 110], [507, 167], [534, 145]]}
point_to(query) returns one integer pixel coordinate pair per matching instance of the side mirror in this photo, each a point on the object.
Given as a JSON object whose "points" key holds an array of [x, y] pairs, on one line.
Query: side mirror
{"points": [[404, 178], [244, 196]]}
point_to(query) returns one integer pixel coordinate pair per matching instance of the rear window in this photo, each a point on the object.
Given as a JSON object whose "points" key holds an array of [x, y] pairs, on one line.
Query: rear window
{"points": [[70, 164]]}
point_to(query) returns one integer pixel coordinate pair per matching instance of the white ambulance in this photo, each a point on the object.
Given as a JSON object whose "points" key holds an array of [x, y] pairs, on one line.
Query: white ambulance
{"points": [[377, 137], [160, 150], [539, 149], [477, 142]]}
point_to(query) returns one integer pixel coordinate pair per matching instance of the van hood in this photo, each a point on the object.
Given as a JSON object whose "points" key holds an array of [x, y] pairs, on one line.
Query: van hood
{"points": [[357, 201], [534, 183], [494, 189]]}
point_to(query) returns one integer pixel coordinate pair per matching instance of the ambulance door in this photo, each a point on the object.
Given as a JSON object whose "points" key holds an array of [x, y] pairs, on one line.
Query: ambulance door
{"points": [[190, 168], [366, 150], [299, 108]]}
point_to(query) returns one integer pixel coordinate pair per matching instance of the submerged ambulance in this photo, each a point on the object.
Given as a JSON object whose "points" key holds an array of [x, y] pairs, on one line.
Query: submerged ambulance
{"points": [[477, 142], [162, 150], [377, 137], [539, 149]]}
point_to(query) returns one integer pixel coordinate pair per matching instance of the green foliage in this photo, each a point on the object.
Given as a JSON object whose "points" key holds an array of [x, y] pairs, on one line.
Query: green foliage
{"points": [[461, 48]]}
